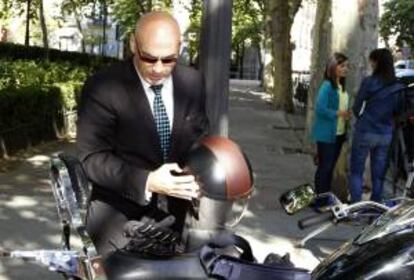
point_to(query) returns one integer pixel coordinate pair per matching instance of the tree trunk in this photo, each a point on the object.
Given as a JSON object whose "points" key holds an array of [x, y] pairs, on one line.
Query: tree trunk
{"points": [[261, 65], [282, 55], [321, 49], [79, 26], [354, 31], [104, 19], [44, 29], [241, 61], [27, 37], [267, 78]]}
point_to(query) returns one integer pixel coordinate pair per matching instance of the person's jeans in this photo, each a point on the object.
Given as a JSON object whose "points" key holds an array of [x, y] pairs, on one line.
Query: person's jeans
{"points": [[328, 154], [377, 146]]}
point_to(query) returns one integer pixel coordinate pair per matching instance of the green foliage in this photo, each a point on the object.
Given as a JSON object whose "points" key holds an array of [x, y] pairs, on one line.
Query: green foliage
{"points": [[127, 12], [398, 20], [12, 8], [28, 116], [28, 83], [14, 51], [23, 73], [192, 34], [6, 11], [69, 93], [27, 105], [33, 97], [247, 24]]}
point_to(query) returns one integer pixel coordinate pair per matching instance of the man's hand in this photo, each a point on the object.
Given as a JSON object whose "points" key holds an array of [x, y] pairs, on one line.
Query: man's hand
{"points": [[164, 182]]}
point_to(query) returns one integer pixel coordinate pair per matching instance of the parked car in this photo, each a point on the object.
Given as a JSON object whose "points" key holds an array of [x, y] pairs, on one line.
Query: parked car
{"points": [[404, 70]]}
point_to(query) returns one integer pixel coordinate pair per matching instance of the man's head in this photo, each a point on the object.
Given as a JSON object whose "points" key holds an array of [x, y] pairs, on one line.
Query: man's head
{"points": [[156, 44]]}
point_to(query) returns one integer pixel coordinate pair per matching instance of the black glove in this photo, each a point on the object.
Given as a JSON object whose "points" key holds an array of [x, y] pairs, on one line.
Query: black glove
{"points": [[152, 239]]}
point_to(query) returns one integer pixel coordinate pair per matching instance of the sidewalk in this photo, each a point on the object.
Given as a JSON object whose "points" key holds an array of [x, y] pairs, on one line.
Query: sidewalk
{"points": [[269, 139]]}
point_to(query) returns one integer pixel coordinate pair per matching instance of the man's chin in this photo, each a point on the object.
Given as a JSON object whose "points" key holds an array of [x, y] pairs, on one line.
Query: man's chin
{"points": [[156, 81]]}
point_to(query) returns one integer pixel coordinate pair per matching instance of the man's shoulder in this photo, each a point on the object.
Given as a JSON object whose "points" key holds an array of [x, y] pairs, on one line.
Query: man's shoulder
{"points": [[109, 79]]}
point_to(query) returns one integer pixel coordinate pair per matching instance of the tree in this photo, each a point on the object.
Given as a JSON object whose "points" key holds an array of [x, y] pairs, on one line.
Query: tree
{"points": [[247, 28], [192, 34], [398, 20], [75, 8], [104, 19], [33, 10], [127, 12], [12, 8], [280, 15], [6, 12], [43, 28], [28, 18], [353, 31]]}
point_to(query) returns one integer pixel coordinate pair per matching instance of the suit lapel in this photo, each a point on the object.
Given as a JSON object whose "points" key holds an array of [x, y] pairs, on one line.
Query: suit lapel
{"points": [[140, 100]]}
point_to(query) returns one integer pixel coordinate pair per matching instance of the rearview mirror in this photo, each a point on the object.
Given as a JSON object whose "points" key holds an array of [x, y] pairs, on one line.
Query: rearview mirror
{"points": [[297, 199]]}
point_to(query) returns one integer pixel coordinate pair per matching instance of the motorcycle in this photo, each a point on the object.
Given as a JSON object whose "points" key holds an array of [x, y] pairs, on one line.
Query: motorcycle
{"points": [[383, 250]]}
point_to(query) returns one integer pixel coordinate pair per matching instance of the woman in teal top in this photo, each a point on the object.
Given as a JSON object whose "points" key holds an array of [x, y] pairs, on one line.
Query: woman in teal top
{"points": [[331, 115]]}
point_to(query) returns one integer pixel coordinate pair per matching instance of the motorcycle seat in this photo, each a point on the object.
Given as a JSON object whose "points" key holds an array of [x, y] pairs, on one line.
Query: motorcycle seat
{"points": [[122, 265]]}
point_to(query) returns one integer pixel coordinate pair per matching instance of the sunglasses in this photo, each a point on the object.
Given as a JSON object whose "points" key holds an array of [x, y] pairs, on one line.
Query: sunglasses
{"points": [[170, 59]]}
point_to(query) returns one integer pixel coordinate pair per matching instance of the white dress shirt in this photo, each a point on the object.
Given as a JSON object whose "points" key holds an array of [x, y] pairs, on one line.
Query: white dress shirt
{"points": [[166, 95], [168, 100]]}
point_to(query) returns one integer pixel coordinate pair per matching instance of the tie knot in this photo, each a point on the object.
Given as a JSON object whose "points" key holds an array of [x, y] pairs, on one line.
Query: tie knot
{"points": [[156, 89]]}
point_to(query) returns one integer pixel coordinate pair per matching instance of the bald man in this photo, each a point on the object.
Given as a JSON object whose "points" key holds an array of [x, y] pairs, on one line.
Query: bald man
{"points": [[130, 156]]}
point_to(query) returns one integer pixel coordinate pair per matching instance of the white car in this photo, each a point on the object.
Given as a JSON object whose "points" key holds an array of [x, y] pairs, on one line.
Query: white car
{"points": [[404, 70]]}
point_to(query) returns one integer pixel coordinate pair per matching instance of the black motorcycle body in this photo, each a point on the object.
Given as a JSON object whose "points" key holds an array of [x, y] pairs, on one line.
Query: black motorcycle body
{"points": [[384, 250], [390, 257]]}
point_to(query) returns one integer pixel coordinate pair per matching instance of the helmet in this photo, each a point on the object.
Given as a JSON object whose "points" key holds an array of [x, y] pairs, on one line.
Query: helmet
{"points": [[221, 169]]}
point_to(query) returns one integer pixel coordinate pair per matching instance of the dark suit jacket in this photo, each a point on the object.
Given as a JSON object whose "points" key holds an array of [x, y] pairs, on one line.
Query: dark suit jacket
{"points": [[117, 138]]}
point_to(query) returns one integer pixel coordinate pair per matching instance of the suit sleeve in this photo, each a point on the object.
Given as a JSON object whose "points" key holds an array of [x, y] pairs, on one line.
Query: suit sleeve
{"points": [[322, 102], [96, 127]]}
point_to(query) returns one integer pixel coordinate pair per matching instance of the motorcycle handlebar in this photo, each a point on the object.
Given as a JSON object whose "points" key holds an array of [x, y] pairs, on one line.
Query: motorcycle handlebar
{"points": [[315, 220]]}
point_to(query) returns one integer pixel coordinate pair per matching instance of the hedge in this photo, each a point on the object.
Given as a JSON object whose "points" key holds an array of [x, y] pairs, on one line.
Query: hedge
{"points": [[33, 99], [15, 51], [35, 93], [28, 115]]}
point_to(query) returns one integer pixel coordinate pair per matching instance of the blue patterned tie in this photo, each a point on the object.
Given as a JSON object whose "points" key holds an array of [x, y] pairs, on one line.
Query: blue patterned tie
{"points": [[161, 121]]}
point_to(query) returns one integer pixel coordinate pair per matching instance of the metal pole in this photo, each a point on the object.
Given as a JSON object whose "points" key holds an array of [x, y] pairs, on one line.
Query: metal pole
{"points": [[215, 47], [214, 58]]}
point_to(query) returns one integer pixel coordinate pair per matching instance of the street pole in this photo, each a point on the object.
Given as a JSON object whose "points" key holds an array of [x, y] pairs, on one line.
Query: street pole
{"points": [[215, 47]]}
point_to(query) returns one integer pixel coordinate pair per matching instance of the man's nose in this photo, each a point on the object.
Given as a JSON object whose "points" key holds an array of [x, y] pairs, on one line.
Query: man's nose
{"points": [[158, 66]]}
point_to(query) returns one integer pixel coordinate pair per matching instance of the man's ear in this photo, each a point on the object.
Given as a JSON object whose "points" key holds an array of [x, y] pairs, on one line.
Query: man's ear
{"points": [[132, 44]]}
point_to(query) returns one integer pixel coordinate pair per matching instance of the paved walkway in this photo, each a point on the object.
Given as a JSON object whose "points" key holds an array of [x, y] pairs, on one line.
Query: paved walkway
{"points": [[29, 220]]}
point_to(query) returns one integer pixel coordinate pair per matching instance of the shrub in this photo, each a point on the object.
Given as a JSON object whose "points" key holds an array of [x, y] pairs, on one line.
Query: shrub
{"points": [[15, 51]]}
